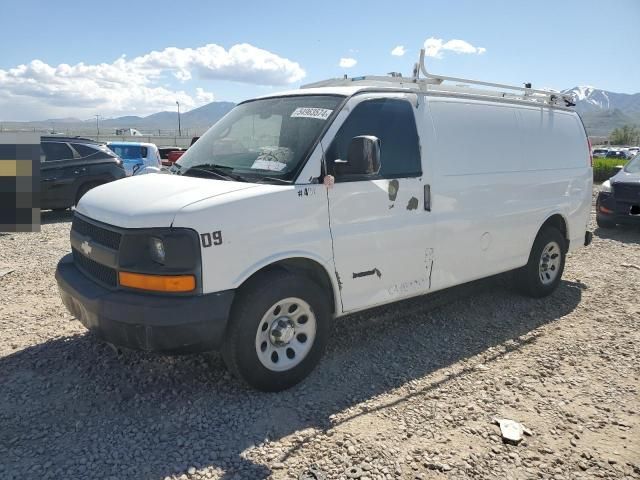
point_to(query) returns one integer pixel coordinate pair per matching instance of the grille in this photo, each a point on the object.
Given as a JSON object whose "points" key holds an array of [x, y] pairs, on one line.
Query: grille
{"points": [[99, 272], [627, 192], [100, 235]]}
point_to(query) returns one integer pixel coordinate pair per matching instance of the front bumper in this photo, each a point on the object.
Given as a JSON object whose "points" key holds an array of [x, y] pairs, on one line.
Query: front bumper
{"points": [[609, 208], [149, 322]]}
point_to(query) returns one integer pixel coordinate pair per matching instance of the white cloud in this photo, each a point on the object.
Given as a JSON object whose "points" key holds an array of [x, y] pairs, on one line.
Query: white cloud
{"points": [[203, 96], [398, 51], [435, 47], [138, 85], [347, 62]]}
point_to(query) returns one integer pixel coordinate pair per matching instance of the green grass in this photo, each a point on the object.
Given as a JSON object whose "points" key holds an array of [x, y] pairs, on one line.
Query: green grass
{"points": [[604, 168]]}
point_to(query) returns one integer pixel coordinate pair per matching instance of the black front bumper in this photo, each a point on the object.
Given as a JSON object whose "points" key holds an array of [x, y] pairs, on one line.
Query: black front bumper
{"points": [[615, 210], [159, 323]]}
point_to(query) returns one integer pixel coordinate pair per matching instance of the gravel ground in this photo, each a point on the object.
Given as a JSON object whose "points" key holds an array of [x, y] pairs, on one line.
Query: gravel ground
{"points": [[406, 391]]}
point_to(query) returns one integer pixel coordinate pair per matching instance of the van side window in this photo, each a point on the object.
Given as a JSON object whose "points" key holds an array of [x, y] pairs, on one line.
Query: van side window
{"points": [[56, 151], [143, 152], [390, 120]]}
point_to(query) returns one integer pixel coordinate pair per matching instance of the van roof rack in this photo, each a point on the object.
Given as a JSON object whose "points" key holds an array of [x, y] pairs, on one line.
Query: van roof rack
{"points": [[415, 82]]}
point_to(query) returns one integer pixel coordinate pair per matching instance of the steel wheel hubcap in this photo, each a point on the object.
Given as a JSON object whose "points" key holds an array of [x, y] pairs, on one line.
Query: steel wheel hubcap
{"points": [[550, 263], [285, 334]]}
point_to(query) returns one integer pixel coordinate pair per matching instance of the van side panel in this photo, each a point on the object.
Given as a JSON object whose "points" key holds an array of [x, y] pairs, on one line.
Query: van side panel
{"points": [[556, 140], [500, 171]]}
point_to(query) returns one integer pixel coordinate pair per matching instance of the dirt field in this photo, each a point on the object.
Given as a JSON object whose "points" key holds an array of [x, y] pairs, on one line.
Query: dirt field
{"points": [[406, 391]]}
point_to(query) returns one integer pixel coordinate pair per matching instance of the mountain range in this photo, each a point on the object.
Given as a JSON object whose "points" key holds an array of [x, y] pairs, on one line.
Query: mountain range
{"points": [[601, 111]]}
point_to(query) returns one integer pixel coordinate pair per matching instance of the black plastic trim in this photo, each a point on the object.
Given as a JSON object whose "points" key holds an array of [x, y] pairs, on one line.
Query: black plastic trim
{"points": [[160, 323]]}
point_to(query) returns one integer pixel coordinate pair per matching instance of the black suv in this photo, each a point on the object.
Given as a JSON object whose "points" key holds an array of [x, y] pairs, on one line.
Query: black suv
{"points": [[71, 166]]}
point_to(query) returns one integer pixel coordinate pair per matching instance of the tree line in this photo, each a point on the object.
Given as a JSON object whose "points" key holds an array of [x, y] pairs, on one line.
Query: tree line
{"points": [[625, 135]]}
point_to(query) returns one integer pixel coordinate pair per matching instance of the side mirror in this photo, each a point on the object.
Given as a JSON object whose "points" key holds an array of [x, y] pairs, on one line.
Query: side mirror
{"points": [[363, 157]]}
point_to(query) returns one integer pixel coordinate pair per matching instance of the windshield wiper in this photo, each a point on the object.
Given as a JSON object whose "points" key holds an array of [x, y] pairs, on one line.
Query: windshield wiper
{"points": [[218, 170], [272, 179]]}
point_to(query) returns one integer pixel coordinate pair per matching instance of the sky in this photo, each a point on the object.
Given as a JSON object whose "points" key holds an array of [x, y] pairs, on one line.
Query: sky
{"points": [[114, 58]]}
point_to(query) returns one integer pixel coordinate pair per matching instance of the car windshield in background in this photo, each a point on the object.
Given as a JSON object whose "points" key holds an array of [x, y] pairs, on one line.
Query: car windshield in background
{"points": [[127, 152], [633, 166], [267, 138]]}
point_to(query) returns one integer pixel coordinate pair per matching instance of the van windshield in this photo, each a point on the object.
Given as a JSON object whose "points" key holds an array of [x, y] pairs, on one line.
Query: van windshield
{"points": [[262, 139]]}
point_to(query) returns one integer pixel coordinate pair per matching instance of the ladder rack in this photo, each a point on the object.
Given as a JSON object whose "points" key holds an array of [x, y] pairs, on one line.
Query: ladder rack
{"points": [[550, 97]]}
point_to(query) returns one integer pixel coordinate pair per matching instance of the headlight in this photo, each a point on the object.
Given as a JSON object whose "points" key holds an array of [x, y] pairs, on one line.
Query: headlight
{"points": [[156, 248], [606, 187]]}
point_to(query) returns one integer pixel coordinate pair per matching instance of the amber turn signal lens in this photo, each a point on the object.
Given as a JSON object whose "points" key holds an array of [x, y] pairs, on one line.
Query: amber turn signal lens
{"points": [[158, 283]]}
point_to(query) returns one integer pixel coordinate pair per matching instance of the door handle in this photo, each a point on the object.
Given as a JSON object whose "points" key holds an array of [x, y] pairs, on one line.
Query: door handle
{"points": [[427, 198]]}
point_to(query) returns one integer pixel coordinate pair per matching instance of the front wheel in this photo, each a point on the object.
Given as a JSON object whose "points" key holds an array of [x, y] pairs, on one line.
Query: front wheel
{"points": [[543, 272], [279, 327]]}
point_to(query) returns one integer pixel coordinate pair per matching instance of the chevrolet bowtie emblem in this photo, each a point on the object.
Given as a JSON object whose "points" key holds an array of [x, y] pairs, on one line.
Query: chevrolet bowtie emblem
{"points": [[86, 248]]}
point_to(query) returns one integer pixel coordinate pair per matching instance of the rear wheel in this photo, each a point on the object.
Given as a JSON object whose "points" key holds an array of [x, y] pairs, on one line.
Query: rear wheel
{"points": [[543, 272], [278, 330]]}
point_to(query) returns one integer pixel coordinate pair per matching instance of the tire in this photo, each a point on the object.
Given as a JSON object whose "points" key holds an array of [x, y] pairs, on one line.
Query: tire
{"points": [[290, 344], [84, 188], [543, 272], [605, 222]]}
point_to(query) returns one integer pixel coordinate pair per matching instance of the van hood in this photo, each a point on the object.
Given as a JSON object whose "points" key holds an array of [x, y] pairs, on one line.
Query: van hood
{"points": [[148, 201]]}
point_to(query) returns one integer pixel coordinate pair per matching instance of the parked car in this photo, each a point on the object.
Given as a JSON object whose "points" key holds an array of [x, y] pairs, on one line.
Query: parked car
{"points": [[136, 155], [600, 152], [619, 197], [71, 166], [300, 207], [164, 154], [173, 157], [616, 154]]}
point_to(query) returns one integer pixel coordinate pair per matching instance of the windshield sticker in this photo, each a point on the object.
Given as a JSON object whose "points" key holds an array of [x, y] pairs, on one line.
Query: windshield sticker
{"points": [[268, 165], [310, 112], [272, 158]]}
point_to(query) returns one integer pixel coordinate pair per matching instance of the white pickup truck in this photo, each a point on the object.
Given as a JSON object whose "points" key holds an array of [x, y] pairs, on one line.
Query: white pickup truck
{"points": [[304, 206]]}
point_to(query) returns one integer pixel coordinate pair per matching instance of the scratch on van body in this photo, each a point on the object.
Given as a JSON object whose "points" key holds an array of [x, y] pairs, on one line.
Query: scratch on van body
{"points": [[368, 273], [428, 260], [339, 281], [394, 186], [413, 203]]}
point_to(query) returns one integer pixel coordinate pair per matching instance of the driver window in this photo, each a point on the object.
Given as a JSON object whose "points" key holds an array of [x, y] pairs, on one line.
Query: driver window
{"points": [[390, 120]]}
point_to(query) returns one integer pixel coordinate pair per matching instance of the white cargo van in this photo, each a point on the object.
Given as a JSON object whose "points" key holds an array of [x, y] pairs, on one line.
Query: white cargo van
{"points": [[300, 207]]}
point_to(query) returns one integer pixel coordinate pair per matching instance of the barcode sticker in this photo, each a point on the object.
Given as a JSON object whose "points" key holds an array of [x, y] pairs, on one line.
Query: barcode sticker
{"points": [[310, 112], [268, 165]]}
